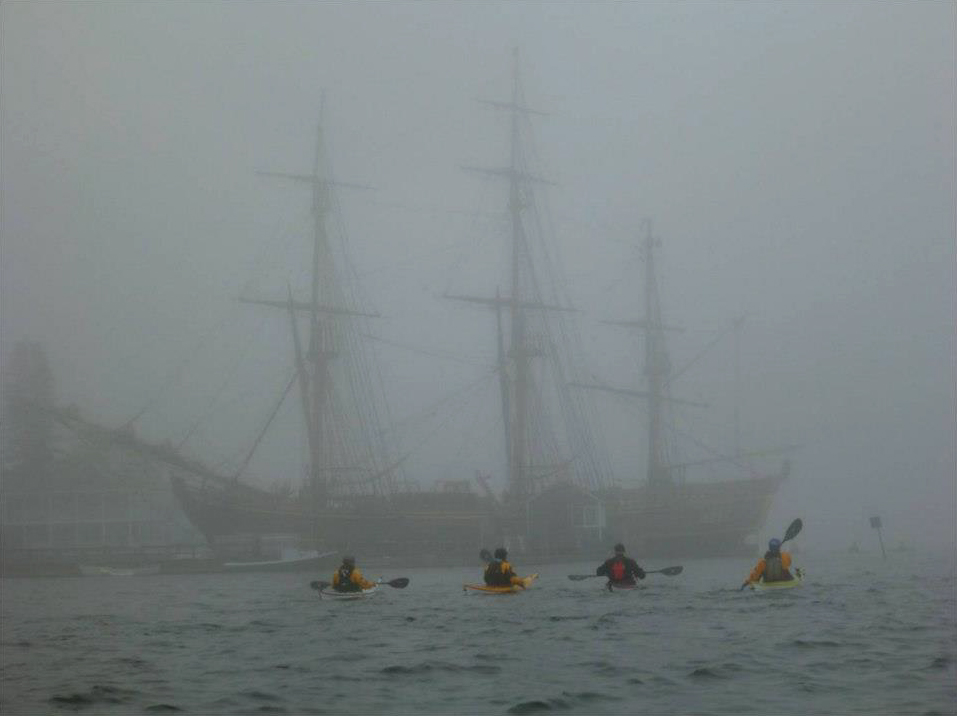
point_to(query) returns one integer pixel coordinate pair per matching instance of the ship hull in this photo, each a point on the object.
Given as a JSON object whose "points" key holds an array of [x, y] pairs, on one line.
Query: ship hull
{"points": [[220, 512], [433, 527], [720, 519]]}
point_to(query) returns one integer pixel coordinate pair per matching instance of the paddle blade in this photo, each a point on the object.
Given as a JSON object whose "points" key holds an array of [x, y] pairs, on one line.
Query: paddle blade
{"points": [[399, 583], [317, 585], [485, 555], [672, 571], [793, 530], [580, 577]]}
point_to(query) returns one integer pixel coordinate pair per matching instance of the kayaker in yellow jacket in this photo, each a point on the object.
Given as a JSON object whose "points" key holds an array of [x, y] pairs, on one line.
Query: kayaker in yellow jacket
{"points": [[499, 573], [348, 578], [773, 567]]}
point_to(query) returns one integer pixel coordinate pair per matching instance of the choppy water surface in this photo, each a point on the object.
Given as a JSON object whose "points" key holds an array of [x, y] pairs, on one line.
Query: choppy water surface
{"points": [[861, 636]]}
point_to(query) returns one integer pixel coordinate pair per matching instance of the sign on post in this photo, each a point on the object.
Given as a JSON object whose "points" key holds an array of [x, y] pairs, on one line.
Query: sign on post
{"points": [[876, 524]]}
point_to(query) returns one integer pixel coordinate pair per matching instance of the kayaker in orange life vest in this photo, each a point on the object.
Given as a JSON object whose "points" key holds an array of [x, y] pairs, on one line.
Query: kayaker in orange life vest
{"points": [[620, 569], [348, 578], [773, 567], [499, 573]]}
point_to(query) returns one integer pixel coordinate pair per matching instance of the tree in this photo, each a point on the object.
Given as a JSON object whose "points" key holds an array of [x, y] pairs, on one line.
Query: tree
{"points": [[27, 420]]}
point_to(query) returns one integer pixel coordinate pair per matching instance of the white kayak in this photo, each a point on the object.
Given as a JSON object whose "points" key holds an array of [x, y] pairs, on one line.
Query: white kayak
{"points": [[621, 587], [330, 593]]}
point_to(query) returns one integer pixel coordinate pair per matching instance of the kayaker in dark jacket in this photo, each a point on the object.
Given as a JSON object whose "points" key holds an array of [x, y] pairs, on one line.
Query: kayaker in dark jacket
{"points": [[498, 572], [620, 569], [348, 578], [773, 567]]}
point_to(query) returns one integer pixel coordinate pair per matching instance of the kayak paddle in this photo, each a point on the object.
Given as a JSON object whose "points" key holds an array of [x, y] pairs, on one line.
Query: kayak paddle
{"points": [[669, 571], [398, 583], [792, 531]]}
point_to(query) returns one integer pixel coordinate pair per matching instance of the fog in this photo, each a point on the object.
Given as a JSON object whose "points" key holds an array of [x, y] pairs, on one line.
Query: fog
{"points": [[797, 161]]}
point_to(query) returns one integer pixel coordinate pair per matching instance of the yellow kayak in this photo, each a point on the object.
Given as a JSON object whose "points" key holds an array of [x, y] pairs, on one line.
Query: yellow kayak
{"points": [[788, 584], [524, 584]]}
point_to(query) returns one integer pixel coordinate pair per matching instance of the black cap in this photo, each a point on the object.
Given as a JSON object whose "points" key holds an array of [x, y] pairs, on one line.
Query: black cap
{"points": [[619, 548], [501, 553]]}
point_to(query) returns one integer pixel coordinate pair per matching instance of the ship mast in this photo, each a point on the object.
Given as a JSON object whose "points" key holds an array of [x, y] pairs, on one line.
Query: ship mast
{"points": [[535, 361], [313, 365], [516, 382], [520, 355], [656, 367]]}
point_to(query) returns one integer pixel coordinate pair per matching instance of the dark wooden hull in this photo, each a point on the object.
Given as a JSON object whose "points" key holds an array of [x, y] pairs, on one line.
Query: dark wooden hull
{"points": [[719, 519], [411, 524]]}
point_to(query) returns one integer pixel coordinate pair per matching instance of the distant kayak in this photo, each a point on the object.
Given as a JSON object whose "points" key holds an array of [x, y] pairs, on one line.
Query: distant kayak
{"points": [[292, 561], [526, 582], [771, 586], [332, 594], [88, 570]]}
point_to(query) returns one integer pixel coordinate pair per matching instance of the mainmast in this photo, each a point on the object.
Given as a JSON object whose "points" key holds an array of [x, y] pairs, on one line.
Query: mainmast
{"points": [[515, 363], [548, 441], [656, 368], [517, 473], [323, 309], [317, 343]]}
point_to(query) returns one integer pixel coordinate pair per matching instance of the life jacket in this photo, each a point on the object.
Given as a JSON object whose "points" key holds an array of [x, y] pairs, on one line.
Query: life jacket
{"points": [[496, 574], [345, 583], [774, 570], [617, 572]]}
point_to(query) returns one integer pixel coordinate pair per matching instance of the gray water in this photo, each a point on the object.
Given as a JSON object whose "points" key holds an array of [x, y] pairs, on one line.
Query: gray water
{"points": [[860, 636]]}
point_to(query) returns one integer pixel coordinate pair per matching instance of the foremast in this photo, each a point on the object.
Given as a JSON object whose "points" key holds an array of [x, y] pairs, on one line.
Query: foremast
{"points": [[331, 452]]}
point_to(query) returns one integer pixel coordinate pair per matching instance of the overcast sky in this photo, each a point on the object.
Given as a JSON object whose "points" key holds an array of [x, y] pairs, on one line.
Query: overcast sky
{"points": [[797, 161]]}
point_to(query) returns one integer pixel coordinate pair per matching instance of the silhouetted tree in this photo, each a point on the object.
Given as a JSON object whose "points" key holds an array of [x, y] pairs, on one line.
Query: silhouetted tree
{"points": [[27, 426]]}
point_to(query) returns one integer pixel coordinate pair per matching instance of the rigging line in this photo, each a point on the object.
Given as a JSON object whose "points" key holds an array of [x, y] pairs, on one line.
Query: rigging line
{"points": [[428, 436], [708, 346], [228, 461], [372, 398], [432, 353], [432, 410], [219, 392], [435, 210], [575, 413], [413, 260], [714, 451], [481, 237], [469, 437], [174, 377], [262, 433]]}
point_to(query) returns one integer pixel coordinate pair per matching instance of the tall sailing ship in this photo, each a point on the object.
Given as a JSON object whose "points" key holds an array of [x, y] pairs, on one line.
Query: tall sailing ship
{"points": [[351, 499], [560, 499]]}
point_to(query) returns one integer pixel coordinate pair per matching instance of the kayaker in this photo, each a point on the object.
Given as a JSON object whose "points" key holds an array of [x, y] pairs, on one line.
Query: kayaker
{"points": [[773, 567], [499, 573], [348, 578], [620, 569]]}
